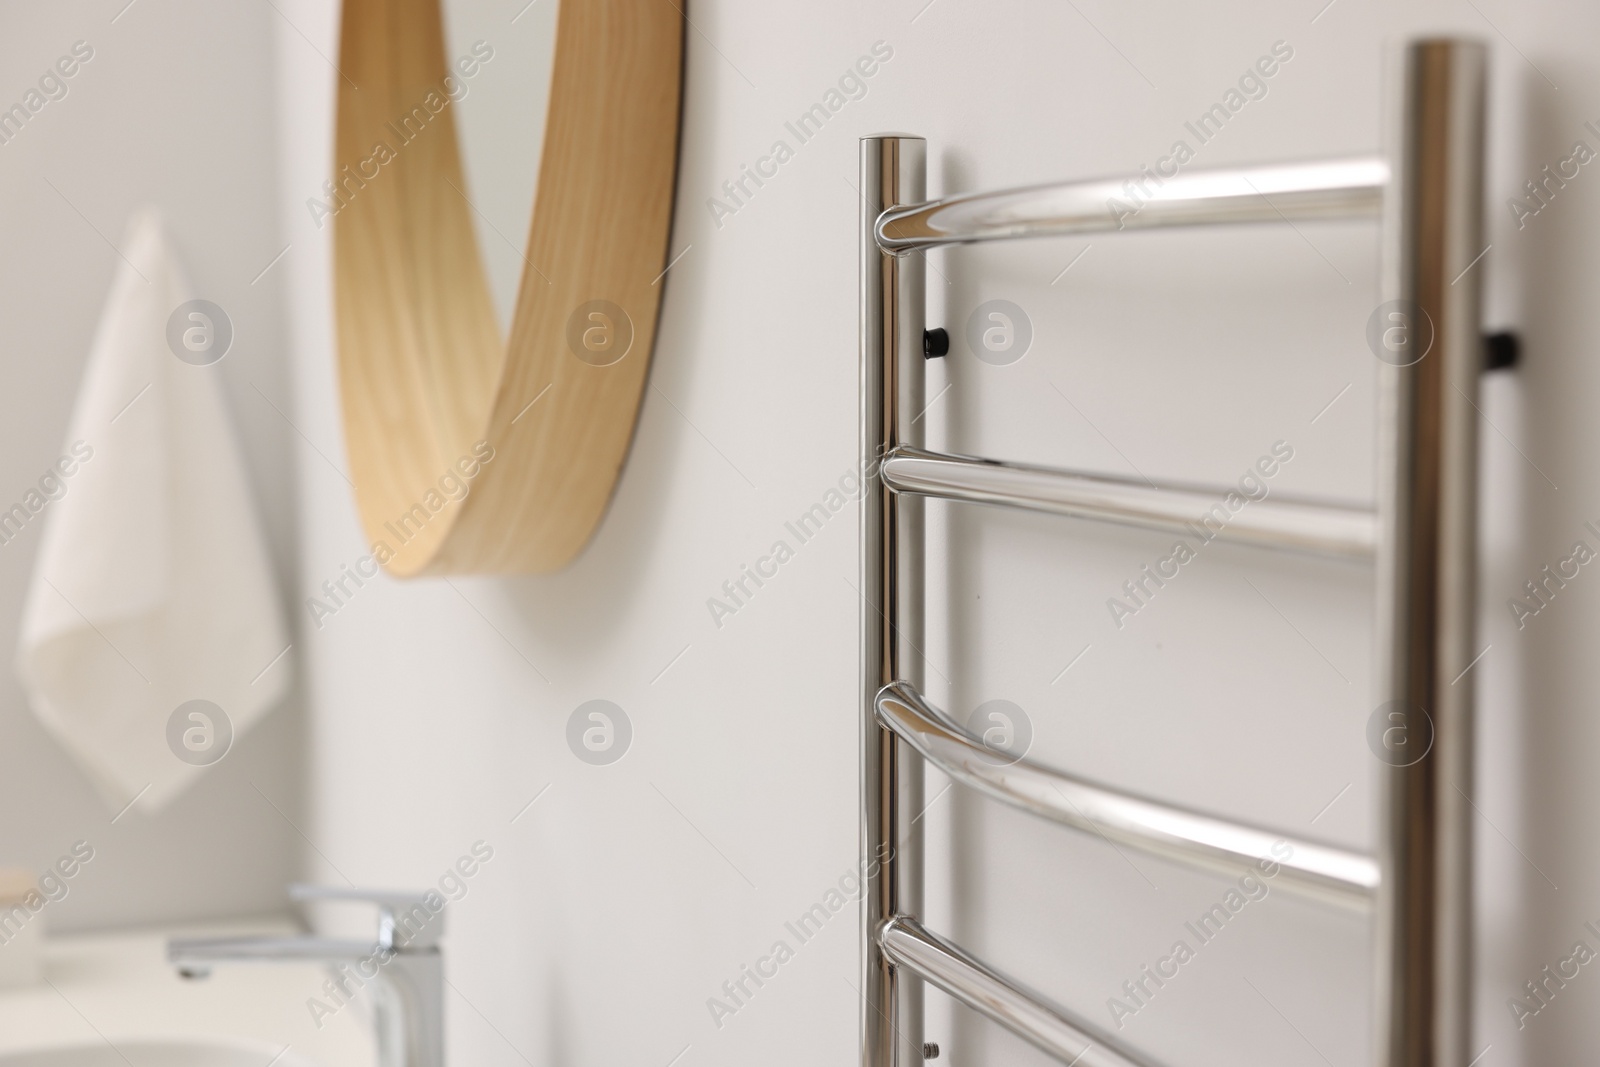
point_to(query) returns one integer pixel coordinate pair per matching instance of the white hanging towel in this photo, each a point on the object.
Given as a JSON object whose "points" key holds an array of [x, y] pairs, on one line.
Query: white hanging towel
{"points": [[152, 587]]}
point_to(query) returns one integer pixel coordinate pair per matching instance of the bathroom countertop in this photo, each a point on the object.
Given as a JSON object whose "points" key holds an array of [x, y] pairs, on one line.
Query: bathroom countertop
{"points": [[111, 987]]}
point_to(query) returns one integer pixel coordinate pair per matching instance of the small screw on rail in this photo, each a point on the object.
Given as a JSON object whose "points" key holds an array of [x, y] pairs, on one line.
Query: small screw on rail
{"points": [[930, 1050], [935, 343]]}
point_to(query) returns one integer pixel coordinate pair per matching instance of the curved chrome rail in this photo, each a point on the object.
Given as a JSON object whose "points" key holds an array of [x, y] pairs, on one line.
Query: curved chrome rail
{"points": [[1293, 192], [1272, 522], [1029, 1015], [1323, 872]]}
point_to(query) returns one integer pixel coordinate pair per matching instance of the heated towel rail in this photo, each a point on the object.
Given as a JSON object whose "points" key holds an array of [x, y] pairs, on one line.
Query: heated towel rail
{"points": [[1427, 190]]}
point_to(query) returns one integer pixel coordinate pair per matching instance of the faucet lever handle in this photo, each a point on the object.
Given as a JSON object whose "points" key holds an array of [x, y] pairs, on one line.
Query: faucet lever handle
{"points": [[403, 916]]}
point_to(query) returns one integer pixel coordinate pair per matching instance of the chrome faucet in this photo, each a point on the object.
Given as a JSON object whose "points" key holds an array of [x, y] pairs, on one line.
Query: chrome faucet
{"points": [[403, 967]]}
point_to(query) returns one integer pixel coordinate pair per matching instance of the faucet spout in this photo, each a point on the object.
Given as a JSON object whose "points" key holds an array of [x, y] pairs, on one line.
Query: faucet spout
{"points": [[203, 951], [406, 981]]}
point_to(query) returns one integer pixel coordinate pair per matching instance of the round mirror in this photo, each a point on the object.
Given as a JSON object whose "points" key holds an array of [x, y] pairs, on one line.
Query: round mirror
{"points": [[502, 206]]}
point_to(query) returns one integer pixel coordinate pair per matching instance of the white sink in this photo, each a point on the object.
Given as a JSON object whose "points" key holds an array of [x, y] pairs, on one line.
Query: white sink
{"points": [[172, 1053], [112, 1000]]}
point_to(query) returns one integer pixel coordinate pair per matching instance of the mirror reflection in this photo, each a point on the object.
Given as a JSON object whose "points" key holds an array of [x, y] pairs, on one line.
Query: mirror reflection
{"points": [[504, 70]]}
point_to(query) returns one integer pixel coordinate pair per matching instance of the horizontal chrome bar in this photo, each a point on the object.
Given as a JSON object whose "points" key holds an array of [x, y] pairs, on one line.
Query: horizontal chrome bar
{"points": [[1327, 529], [1292, 192], [1323, 872], [906, 943]]}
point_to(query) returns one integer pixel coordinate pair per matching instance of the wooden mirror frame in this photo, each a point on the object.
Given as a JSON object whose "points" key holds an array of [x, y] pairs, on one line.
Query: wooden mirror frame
{"points": [[469, 455]]}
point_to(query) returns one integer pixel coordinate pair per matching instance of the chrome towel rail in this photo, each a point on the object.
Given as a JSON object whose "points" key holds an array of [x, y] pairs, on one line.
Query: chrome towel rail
{"points": [[1427, 188], [1329, 529], [1298, 192], [1321, 871], [1008, 1002]]}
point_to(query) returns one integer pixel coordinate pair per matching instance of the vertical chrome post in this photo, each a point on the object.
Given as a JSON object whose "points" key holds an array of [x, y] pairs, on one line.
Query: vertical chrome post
{"points": [[892, 174], [1427, 496]]}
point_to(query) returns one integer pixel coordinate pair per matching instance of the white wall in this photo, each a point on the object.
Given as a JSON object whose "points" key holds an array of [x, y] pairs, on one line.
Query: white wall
{"points": [[174, 109], [625, 897]]}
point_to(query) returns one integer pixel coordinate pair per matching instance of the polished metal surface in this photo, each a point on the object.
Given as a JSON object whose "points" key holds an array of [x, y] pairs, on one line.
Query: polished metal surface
{"points": [[1295, 192], [403, 918], [1277, 860], [405, 980], [1008, 1002], [1201, 513], [892, 309], [195, 955], [1429, 187], [1433, 234]]}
